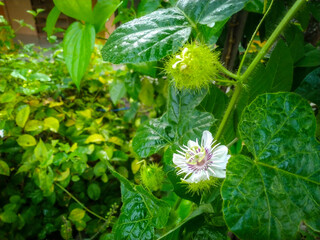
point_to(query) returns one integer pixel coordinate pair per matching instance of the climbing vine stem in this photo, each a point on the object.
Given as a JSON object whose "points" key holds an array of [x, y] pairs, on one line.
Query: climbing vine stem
{"points": [[244, 78]]}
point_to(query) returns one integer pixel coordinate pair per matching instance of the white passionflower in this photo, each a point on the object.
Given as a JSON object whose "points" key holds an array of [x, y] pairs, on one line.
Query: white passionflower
{"points": [[2, 133], [200, 162]]}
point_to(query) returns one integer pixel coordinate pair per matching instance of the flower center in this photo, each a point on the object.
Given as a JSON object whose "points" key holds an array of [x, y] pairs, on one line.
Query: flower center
{"points": [[197, 158]]}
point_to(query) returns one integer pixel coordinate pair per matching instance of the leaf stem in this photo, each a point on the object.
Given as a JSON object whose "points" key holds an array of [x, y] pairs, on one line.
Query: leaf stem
{"points": [[243, 78], [227, 72], [81, 204]]}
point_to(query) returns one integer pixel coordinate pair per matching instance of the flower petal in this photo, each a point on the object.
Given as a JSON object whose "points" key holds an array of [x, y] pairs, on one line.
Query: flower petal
{"points": [[206, 139], [197, 177], [178, 159], [192, 144], [219, 173]]}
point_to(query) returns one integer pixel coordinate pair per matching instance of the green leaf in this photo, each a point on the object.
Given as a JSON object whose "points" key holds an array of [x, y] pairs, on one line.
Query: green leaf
{"points": [[179, 124], [280, 68], [78, 45], [310, 87], [51, 21], [7, 97], [78, 9], [4, 168], [117, 90], [146, 7], [51, 123], [133, 85], [33, 125], [277, 189], [26, 140], [256, 6], [310, 59], [22, 115], [8, 216], [141, 212], [41, 153], [77, 214], [66, 230], [148, 38], [102, 11], [211, 11], [94, 191]]}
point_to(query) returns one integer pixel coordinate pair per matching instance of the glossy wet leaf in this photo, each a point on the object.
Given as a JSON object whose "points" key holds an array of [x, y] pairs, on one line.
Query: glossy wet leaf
{"points": [[148, 38], [141, 212], [277, 189], [22, 115], [33, 125], [211, 11], [40, 151], [78, 45], [95, 138], [310, 87]]}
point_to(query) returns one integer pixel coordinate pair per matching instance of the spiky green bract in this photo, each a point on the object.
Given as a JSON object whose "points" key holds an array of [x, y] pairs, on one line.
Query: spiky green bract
{"points": [[194, 67], [203, 186], [152, 176]]}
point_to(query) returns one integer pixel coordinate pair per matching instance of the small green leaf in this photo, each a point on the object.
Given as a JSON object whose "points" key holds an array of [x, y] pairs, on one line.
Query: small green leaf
{"points": [[141, 212], [26, 140], [278, 187], [95, 138], [77, 214], [78, 45], [23, 115], [117, 91], [4, 168], [51, 123], [94, 191], [8, 216], [211, 11], [78, 9], [148, 38], [40, 151], [7, 97], [33, 125], [310, 87], [66, 230]]}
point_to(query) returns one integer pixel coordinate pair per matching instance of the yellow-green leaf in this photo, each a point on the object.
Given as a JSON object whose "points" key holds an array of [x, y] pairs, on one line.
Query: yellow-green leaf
{"points": [[95, 138], [33, 125], [4, 168], [23, 115], [52, 124], [77, 214], [40, 151], [26, 140], [60, 176]]}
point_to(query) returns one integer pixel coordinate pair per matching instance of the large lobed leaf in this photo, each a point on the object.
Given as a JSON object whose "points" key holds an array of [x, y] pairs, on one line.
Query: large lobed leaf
{"points": [[268, 196], [148, 38], [163, 32], [141, 212], [181, 122], [211, 11]]}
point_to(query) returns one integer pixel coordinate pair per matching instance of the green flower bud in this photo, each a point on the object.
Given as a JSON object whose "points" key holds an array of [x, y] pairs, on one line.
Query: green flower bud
{"points": [[194, 67]]}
